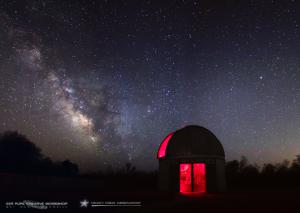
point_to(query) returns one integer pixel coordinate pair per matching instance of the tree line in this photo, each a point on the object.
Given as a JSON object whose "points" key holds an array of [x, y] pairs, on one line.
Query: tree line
{"points": [[242, 174], [20, 156]]}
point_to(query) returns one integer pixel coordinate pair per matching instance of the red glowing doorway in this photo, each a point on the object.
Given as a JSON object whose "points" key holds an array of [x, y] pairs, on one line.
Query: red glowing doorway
{"points": [[192, 177]]}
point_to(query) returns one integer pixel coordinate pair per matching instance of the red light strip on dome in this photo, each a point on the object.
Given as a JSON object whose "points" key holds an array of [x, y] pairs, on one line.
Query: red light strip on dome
{"points": [[163, 146]]}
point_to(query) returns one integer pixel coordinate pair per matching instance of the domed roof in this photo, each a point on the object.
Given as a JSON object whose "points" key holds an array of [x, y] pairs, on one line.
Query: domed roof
{"points": [[191, 141]]}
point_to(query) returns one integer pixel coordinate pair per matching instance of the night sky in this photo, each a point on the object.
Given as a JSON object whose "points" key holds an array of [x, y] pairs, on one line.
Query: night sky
{"points": [[103, 82]]}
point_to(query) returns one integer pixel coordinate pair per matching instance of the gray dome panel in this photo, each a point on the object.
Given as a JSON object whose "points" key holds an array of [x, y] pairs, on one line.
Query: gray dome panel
{"points": [[194, 141]]}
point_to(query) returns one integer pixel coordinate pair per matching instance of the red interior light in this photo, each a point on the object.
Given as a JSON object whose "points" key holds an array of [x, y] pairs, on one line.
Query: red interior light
{"points": [[185, 177], [192, 177], [199, 177]]}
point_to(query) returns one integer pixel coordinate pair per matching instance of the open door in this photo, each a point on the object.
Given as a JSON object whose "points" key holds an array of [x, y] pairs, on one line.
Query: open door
{"points": [[192, 177], [199, 177], [185, 178]]}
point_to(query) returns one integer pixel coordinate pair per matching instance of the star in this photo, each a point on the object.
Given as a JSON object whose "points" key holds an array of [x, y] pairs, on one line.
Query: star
{"points": [[108, 93], [84, 203]]}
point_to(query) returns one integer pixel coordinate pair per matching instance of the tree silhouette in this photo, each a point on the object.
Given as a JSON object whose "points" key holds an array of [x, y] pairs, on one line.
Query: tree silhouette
{"points": [[129, 168], [242, 174], [20, 155], [268, 169], [17, 153]]}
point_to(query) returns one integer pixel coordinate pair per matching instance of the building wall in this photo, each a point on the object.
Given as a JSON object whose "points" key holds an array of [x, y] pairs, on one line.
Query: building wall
{"points": [[220, 174], [163, 175], [168, 176]]}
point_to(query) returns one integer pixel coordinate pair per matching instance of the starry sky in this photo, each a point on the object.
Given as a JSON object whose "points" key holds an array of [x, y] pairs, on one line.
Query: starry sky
{"points": [[103, 82]]}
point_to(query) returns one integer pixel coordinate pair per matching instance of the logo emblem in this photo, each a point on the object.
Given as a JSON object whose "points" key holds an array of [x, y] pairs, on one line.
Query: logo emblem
{"points": [[84, 203]]}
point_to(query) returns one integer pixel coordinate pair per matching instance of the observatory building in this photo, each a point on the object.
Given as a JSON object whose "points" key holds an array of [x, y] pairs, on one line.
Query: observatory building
{"points": [[191, 159]]}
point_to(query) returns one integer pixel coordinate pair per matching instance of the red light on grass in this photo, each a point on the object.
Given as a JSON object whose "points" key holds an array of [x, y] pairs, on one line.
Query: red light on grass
{"points": [[163, 146]]}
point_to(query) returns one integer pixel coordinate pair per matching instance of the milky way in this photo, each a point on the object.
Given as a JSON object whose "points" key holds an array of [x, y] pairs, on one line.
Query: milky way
{"points": [[101, 83]]}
